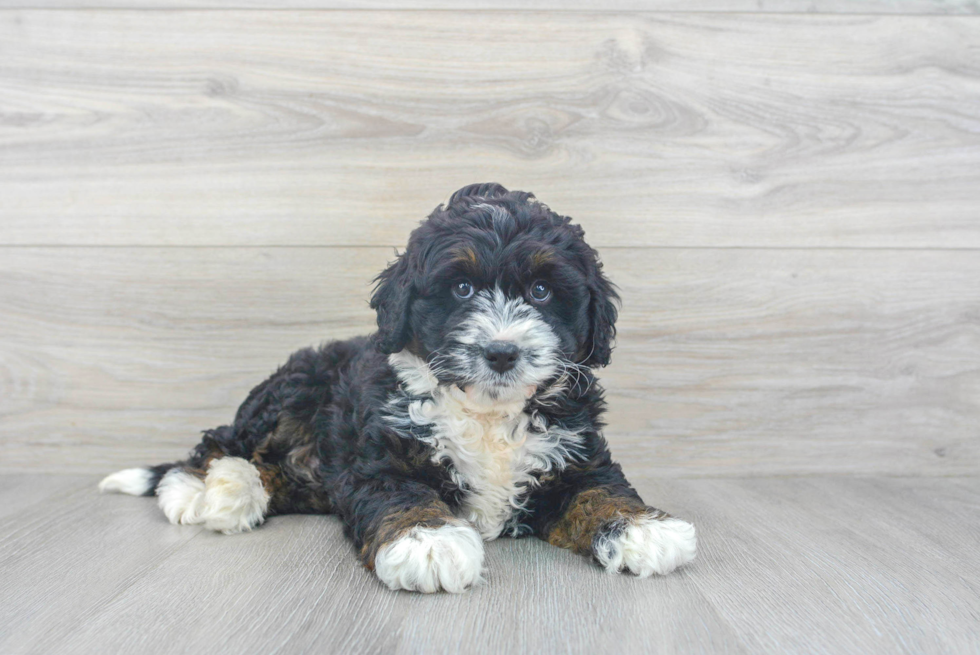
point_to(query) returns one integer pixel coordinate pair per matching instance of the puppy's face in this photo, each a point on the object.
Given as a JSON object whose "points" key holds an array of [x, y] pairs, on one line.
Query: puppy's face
{"points": [[498, 294]]}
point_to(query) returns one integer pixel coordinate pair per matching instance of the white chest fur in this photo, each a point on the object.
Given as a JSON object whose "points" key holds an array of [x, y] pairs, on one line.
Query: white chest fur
{"points": [[495, 447], [494, 452]]}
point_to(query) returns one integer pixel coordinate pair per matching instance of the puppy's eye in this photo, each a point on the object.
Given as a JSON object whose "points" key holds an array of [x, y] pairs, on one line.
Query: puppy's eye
{"points": [[463, 289], [540, 291]]}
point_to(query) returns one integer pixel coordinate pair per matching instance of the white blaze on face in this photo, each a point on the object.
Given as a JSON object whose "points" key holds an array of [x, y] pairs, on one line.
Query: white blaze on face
{"points": [[495, 317]]}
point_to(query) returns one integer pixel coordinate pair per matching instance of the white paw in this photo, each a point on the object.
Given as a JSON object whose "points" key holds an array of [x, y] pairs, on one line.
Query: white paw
{"points": [[429, 559], [647, 546], [230, 499], [180, 495], [134, 482], [234, 498]]}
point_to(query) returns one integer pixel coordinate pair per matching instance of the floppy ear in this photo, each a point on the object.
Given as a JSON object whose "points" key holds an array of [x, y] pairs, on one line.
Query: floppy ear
{"points": [[602, 319], [392, 299]]}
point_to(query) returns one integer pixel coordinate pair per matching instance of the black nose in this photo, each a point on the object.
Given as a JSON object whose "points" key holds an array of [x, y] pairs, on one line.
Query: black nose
{"points": [[501, 355]]}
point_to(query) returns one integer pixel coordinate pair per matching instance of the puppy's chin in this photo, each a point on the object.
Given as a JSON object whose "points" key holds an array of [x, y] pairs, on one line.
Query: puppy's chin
{"points": [[478, 395]]}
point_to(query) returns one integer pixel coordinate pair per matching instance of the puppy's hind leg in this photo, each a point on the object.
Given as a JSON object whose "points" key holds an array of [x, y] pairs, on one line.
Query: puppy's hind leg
{"points": [[179, 488], [229, 497]]}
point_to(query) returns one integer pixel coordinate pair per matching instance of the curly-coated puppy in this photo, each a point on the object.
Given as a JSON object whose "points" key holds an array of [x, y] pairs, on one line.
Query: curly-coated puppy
{"points": [[472, 412]]}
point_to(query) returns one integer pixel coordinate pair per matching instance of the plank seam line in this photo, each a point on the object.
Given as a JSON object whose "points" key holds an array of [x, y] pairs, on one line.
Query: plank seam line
{"points": [[470, 12], [600, 247]]}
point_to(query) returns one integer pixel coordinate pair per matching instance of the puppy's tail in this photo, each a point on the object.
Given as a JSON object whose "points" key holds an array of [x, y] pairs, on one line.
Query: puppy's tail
{"points": [[135, 482]]}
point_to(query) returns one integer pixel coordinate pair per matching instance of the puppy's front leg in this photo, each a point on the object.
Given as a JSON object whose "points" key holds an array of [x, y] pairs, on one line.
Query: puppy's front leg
{"points": [[594, 511], [410, 538]]}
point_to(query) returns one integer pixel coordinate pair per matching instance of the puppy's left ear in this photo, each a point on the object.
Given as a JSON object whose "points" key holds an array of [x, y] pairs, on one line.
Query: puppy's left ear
{"points": [[392, 300], [603, 310]]}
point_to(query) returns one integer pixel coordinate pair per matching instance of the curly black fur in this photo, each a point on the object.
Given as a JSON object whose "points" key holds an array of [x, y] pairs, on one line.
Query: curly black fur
{"points": [[321, 431]]}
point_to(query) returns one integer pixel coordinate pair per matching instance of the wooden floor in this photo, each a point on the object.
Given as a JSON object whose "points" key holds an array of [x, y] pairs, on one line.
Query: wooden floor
{"points": [[786, 565]]}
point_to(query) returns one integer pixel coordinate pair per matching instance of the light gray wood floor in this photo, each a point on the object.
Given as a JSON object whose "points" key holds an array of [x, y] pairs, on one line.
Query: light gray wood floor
{"points": [[801, 565]]}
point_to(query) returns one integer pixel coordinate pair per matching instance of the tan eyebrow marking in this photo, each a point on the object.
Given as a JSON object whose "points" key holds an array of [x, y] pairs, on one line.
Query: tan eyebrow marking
{"points": [[466, 256], [542, 257]]}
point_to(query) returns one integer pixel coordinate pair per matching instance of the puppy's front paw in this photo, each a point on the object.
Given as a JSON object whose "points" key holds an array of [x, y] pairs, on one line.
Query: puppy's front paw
{"points": [[449, 557], [645, 545]]}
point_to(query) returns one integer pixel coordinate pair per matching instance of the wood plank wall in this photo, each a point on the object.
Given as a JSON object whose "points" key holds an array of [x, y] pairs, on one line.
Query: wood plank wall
{"points": [[787, 193]]}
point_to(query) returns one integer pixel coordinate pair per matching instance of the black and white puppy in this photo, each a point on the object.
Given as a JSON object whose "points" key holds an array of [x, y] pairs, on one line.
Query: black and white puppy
{"points": [[471, 413]]}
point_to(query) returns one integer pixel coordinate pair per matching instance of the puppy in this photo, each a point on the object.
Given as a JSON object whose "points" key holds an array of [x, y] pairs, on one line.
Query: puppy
{"points": [[471, 413]]}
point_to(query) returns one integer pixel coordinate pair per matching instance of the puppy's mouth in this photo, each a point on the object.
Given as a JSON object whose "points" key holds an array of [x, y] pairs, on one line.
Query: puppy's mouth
{"points": [[474, 379], [488, 382], [495, 391], [486, 397]]}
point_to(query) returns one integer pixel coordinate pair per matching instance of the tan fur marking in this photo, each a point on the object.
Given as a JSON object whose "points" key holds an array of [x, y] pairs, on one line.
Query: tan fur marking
{"points": [[588, 512], [397, 524], [287, 464], [542, 257], [467, 257], [292, 441], [276, 485], [202, 472]]}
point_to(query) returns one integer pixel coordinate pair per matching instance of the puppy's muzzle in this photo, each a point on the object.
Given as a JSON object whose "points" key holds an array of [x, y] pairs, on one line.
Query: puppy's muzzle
{"points": [[501, 356]]}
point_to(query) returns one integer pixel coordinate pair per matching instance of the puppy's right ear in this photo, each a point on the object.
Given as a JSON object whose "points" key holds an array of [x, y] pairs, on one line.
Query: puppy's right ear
{"points": [[392, 300]]}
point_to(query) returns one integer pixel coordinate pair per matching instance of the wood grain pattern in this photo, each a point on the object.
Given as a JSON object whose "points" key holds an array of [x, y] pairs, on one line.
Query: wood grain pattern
{"points": [[834, 566], [822, 565], [63, 558], [345, 128], [22, 490], [729, 362], [942, 7]]}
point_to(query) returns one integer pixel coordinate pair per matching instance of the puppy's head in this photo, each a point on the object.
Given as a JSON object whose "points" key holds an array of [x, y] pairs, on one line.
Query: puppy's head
{"points": [[498, 294]]}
